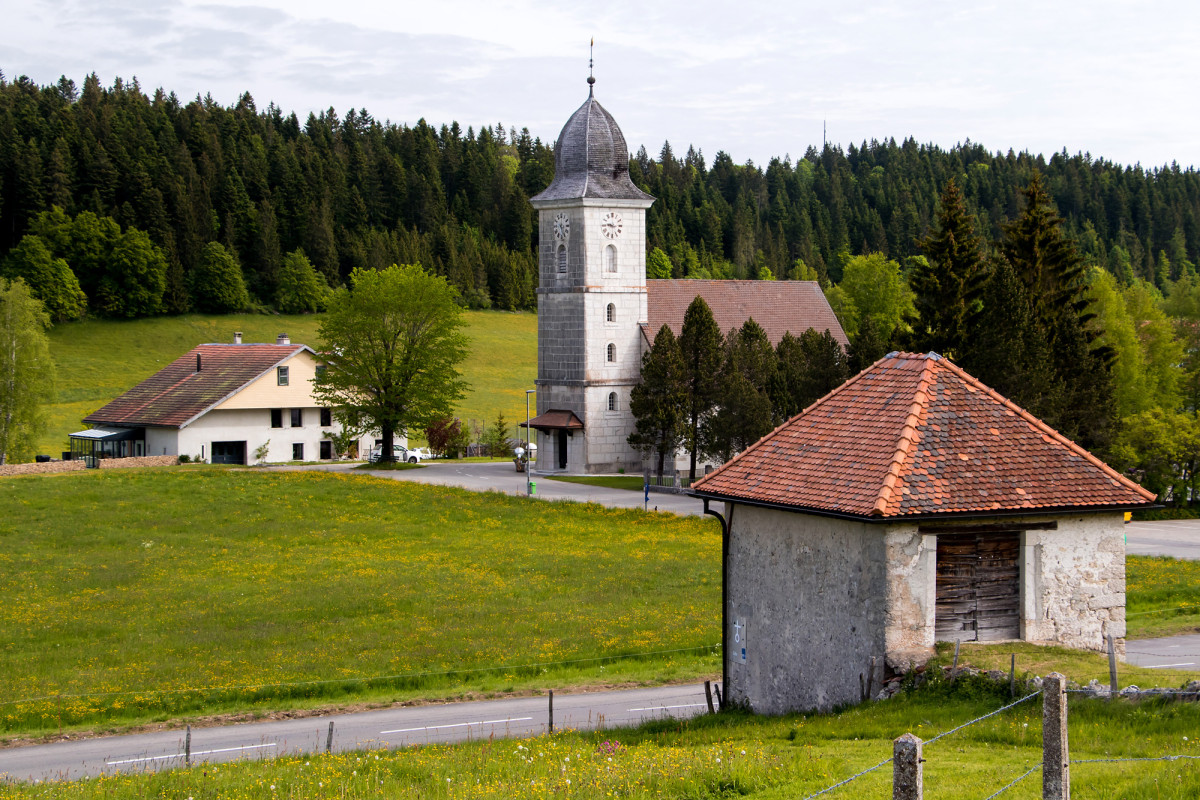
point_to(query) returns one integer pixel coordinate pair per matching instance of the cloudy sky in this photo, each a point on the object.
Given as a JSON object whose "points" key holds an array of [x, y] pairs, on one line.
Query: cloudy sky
{"points": [[1116, 79]]}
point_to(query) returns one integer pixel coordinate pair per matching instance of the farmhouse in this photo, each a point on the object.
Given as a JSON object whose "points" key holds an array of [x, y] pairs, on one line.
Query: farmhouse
{"points": [[219, 403], [910, 505], [597, 313]]}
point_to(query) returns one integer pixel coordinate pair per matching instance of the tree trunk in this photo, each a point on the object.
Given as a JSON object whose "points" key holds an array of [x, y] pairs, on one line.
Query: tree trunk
{"points": [[388, 452], [695, 444]]}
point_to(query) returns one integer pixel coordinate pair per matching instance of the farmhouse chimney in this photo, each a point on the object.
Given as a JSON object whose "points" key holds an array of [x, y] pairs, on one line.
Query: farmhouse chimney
{"points": [[282, 339], [237, 337], [197, 362]]}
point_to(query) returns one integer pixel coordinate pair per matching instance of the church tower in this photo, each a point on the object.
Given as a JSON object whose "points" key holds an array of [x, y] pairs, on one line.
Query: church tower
{"points": [[591, 298]]}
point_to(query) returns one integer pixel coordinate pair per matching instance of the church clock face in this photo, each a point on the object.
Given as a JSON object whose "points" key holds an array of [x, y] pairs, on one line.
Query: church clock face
{"points": [[610, 225], [562, 226]]}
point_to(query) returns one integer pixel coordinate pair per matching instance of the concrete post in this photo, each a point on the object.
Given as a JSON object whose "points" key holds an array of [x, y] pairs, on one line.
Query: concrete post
{"points": [[907, 772], [1056, 773]]}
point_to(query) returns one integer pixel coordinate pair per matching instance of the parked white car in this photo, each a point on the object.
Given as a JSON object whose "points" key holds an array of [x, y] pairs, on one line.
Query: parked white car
{"points": [[399, 452]]}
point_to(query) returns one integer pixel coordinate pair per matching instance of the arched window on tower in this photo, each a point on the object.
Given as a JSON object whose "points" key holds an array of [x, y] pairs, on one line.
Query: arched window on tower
{"points": [[612, 352], [610, 313], [610, 259], [612, 401], [562, 259]]}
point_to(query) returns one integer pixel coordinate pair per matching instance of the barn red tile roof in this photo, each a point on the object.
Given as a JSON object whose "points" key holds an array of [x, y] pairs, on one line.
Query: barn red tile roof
{"points": [[916, 435], [778, 306], [177, 393]]}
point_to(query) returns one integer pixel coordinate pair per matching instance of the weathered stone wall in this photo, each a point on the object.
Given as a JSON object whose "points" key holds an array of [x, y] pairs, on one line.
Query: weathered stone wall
{"points": [[1073, 582], [807, 594], [911, 596], [41, 469], [144, 461]]}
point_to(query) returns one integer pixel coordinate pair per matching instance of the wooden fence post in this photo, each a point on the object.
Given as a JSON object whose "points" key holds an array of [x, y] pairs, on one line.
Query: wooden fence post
{"points": [[551, 711], [1056, 771], [708, 696], [907, 772], [187, 747], [1112, 668], [329, 739]]}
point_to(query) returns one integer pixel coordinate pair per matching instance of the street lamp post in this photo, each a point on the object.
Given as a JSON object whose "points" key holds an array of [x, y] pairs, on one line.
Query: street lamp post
{"points": [[528, 489]]}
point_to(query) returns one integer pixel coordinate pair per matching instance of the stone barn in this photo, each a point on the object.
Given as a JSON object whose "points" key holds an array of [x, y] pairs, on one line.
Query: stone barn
{"points": [[911, 505]]}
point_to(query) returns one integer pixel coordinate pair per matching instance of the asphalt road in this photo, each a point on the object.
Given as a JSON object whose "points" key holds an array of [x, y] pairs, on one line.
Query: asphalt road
{"points": [[502, 477], [1174, 652], [1177, 537], [389, 728]]}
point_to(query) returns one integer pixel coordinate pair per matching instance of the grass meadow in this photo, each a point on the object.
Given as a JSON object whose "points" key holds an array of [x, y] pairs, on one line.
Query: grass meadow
{"points": [[139, 595], [728, 755], [99, 359]]}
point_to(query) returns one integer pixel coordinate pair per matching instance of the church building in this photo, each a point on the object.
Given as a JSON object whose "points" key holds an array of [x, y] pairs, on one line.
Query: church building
{"points": [[597, 313]]}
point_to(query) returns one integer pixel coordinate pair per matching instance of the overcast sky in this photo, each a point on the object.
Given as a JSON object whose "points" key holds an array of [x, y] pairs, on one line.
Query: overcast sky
{"points": [[1119, 80]]}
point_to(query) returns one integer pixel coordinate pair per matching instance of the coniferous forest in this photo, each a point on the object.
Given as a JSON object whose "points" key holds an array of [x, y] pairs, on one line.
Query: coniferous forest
{"points": [[353, 191], [1067, 282]]}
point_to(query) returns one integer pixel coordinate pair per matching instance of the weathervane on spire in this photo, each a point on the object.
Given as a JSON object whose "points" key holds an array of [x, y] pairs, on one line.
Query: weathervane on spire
{"points": [[591, 80]]}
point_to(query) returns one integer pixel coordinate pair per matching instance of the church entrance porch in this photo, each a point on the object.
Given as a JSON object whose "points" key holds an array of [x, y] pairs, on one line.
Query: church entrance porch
{"points": [[559, 427]]}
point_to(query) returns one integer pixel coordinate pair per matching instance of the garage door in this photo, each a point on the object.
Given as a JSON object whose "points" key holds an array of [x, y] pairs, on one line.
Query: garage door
{"points": [[229, 452], [978, 587]]}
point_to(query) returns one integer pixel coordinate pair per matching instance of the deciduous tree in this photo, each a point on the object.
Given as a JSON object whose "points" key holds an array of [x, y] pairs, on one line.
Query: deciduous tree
{"points": [[393, 341], [26, 370]]}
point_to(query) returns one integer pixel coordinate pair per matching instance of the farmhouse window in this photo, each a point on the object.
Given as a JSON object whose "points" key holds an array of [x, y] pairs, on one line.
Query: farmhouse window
{"points": [[298, 451], [281, 375], [276, 417], [326, 417], [326, 449], [297, 418]]}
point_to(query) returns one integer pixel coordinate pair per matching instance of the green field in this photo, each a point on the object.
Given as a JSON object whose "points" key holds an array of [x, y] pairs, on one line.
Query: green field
{"points": [[729, 755], [99, 359], [147, 594]]}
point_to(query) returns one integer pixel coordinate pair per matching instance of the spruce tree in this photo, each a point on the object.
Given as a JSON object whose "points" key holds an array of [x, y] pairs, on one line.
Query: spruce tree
{"points": [[808, 368], [1049, 266], [869, 344], [659, 401], [700, 343], [949, 281], [744, 412]]}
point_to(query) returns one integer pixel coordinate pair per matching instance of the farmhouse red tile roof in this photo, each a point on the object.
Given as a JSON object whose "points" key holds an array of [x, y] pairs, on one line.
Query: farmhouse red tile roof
{"points": [[177, 393], [778, 306], [916, 435]]}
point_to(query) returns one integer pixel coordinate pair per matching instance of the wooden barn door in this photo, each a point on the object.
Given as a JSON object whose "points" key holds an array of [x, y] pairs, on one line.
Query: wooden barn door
{"points": [[978, 587]]}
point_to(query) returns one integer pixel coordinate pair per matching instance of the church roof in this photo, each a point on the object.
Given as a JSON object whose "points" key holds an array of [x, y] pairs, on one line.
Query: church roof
{"points": [[914, 435], [591, 159], [778, 306]]}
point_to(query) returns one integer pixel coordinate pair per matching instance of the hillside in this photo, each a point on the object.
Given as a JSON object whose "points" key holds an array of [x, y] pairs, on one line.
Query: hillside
{"points": [[99, 359]]}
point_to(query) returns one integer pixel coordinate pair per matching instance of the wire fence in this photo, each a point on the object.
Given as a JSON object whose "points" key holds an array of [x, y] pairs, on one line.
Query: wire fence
{"points": [[941, 735], [903, 787], [1014, 782]]}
